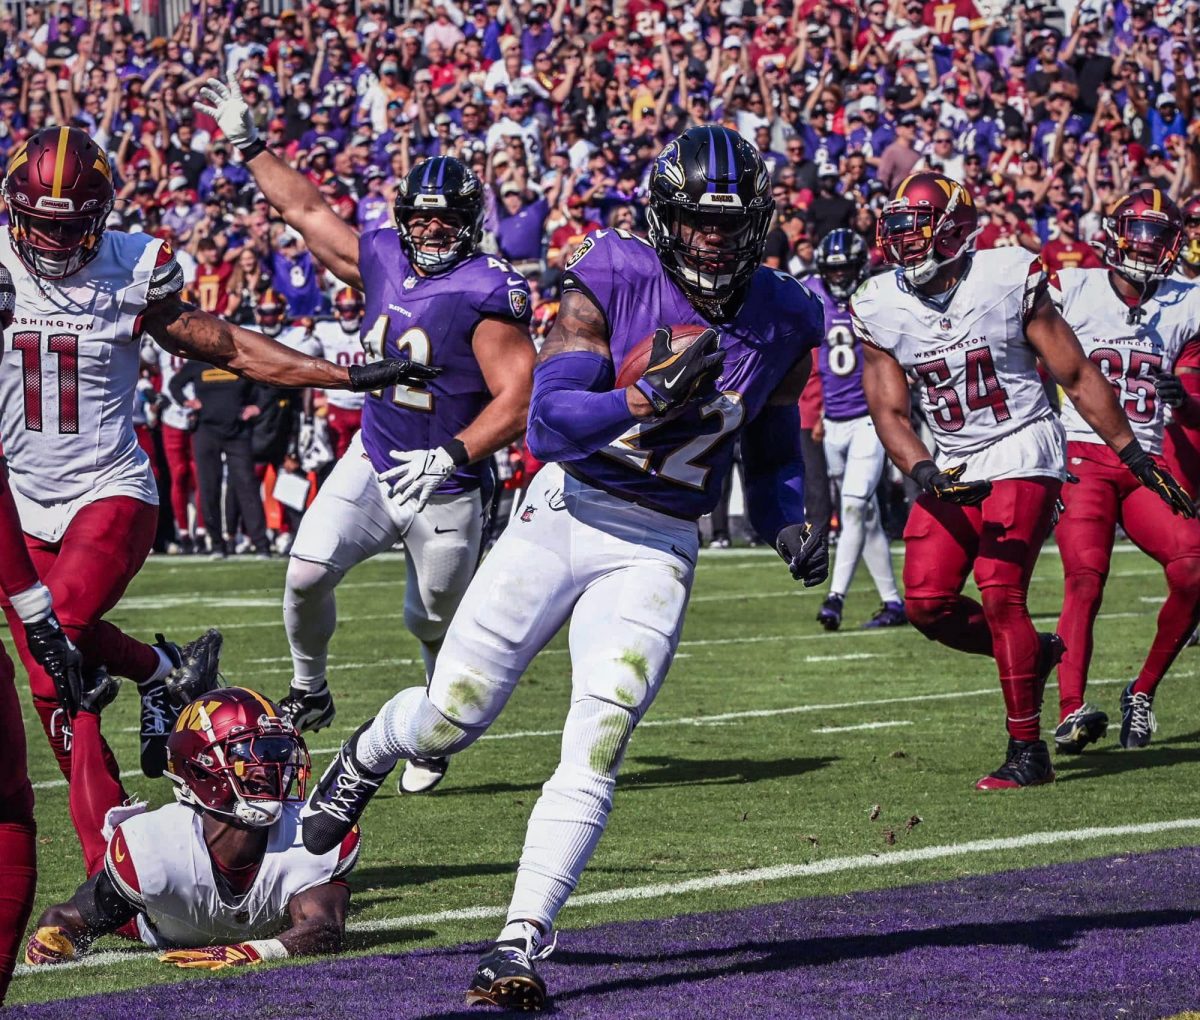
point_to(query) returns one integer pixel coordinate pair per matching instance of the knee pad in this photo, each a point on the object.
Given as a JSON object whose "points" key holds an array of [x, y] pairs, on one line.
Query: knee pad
{"points": [[306, 578], [1002, 602], [853, 508], [926, 613], [1183, 575], [426, 630], [1084, 583], [595, 737]]}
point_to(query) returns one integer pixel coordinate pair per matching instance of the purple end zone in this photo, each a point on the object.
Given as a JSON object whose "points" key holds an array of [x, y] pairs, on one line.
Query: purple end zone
{"points": [[1102, 938]]}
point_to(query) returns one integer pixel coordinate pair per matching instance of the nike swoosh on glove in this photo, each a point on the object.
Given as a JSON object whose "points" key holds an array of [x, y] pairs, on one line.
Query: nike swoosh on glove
{"points": [[213, 957], [805, 551], [389, 372], [672, 378], [417, 475], [49, 945], [945, 485], [54, 652], [223, 102]]}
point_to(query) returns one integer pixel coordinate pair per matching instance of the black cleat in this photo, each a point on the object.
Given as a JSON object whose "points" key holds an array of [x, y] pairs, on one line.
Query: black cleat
{"points": [[1084, 726], [890, 614], [421, 775], [1137, 718], [829, 615], [308, 710], [505, 977], [158, 714], [1027, 764], [99, 689], [340, 798], [198, 671]]}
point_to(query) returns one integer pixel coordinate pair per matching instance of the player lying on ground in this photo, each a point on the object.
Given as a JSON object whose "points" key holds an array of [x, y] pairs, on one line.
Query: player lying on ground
{"points": [[971, 326], [433, 296], [84, 489], [638, 440], [1135, 319], [213, 879]]}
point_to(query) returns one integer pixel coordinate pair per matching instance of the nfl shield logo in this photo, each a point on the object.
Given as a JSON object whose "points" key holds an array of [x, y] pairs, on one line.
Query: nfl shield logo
{"points": [[527, 514], [410, 282], [518, 301], [945, 323]]}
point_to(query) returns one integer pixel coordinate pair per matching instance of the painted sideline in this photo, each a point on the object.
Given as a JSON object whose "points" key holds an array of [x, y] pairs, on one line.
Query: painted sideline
{"points": [[775, 873]]}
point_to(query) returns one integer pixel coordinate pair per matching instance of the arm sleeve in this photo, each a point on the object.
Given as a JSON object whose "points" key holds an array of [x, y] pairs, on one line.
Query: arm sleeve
{"points": [[774, 469], [574, 411], [103, 904], [166, 278]]}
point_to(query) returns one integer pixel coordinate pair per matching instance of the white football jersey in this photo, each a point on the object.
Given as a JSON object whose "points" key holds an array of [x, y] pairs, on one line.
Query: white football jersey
{"points": [[167, 364], [977, 373], [159, 861], [345, 349], [299, 339], [68, 373], [1128, 354]]}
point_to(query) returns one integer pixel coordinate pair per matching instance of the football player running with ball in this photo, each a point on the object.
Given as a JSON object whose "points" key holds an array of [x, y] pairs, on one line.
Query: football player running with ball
{"points": [[416, 468], [213, 880], [83, 486], [607, 538], [853, 453], [1134, 319], [971, 327]]}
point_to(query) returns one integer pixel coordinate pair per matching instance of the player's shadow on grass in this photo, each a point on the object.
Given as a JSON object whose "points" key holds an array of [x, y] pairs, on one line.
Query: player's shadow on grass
{"points": [[664, 771], [1111, 759], [1043, 934]]}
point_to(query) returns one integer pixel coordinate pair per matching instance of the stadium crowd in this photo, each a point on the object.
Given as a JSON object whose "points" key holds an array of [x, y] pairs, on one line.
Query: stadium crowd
{"points": [[1044, 112]]}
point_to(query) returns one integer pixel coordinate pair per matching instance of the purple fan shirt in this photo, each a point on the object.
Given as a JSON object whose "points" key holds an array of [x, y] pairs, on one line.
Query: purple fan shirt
{"points": [[839, 359], [430, 319], [678, 464]]}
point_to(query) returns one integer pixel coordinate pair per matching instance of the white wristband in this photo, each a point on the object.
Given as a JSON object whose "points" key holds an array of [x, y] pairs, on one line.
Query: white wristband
{"points": [[33, 604], [270, 949]]}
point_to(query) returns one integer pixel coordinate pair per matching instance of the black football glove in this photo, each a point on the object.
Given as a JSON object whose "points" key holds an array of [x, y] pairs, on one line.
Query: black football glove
{"points": [[1170, 389], [54, 652], [945, 485], [389, 372], [806, 552], [672, 378], [1157, 479]]}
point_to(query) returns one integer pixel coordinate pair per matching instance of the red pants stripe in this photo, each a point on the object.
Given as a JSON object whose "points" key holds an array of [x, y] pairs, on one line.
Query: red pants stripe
{"points": [[1000, 541], [1106, 495]]}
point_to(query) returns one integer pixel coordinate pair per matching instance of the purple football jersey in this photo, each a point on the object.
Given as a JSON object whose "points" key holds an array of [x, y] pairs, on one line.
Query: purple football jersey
{"points": [[430, 319], [678, 464], [840, 358]]}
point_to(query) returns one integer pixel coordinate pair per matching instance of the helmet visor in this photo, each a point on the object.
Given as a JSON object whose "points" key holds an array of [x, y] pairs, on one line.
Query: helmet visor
{"points": [[265, 767], [906, 235]]}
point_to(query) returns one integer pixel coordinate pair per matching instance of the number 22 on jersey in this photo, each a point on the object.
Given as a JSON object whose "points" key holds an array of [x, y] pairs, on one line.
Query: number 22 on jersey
{"points": [[33, 347], [412, 344]]}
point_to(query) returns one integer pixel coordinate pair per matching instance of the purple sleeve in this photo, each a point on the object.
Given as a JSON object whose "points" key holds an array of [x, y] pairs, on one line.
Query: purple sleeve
{"points": [[774, 470], [574, 411]]}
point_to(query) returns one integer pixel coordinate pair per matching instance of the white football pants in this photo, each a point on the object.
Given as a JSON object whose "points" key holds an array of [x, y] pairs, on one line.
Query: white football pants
{"points": [[622, 574], [351, 520], [854, 456]]}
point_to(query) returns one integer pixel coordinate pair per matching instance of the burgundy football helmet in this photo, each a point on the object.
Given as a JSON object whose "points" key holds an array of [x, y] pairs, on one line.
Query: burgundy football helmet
{"points": [[1143, 235], [59, 191], [929, 223], [232, 753], [270, 313], [348, 309]]}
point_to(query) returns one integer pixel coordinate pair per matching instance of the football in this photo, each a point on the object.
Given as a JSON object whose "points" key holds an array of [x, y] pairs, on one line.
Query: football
{"points": [[682, 337]]}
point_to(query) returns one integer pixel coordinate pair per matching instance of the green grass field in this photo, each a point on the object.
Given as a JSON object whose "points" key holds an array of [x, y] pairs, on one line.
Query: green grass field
{"points": [[771, 744]]}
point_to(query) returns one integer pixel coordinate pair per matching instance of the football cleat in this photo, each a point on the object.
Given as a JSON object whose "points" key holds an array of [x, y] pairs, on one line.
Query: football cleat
{"points": [[830, 614], [308, 710], [99, 689], [1194, 640], [1137, 718], [421, 775], [198, 671], [158, 714], [1027, 764], [1084, 726], [340, 798], [506, 977], [890, 614]]}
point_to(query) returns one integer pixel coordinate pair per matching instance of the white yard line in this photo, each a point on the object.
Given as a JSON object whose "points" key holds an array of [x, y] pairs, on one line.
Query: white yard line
{"points": [[865, 726], [777, 873]]}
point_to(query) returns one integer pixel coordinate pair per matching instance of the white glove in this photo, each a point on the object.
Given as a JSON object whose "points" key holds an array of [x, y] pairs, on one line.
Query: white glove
{"points": [[418, 474], [225, 105]]}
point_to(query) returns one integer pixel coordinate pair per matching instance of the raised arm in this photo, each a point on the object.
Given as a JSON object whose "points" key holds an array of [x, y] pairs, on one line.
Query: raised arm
{"points": [[297, 199]]}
